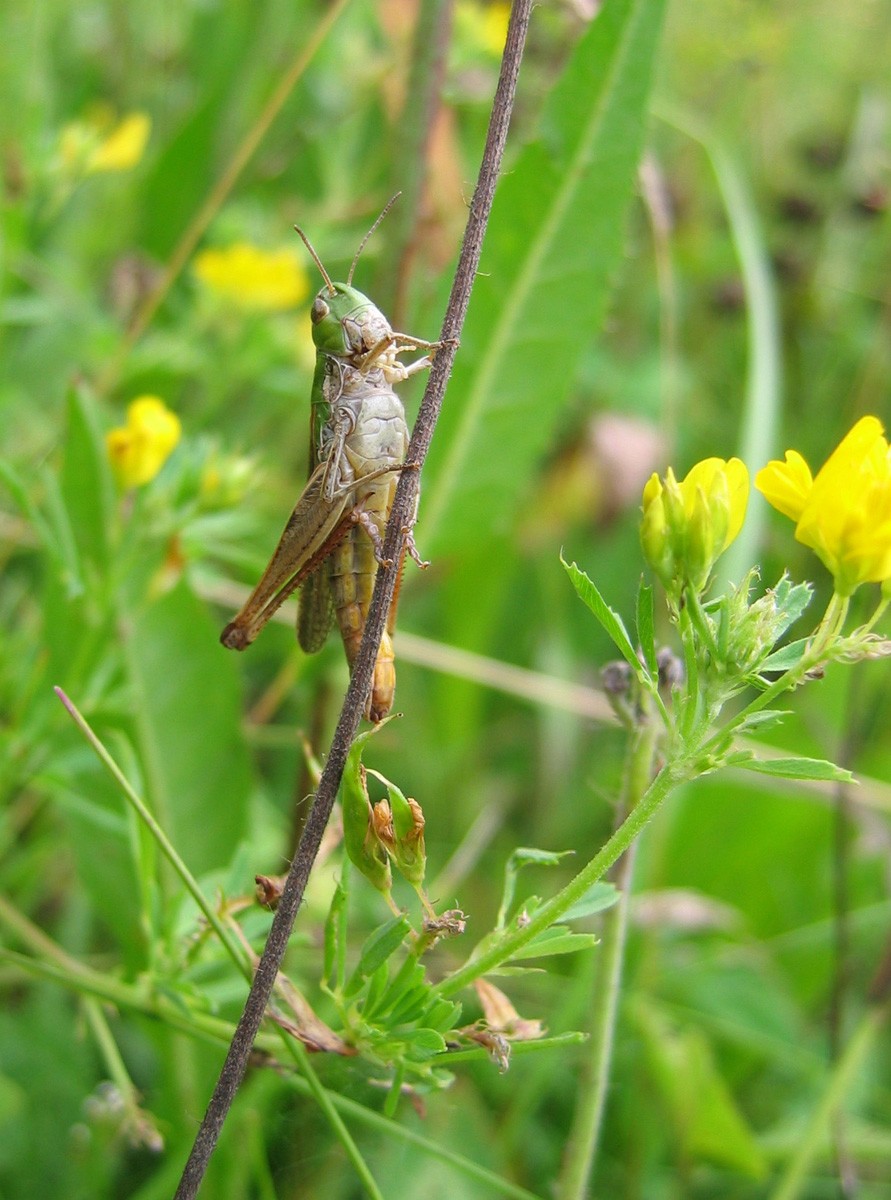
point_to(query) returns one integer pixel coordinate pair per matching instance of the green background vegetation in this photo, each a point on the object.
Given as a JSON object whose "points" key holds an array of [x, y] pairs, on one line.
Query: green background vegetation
{"points": [[740, 989]]}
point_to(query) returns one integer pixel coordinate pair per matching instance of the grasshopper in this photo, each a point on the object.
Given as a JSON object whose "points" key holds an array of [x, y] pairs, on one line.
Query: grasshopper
{"points": [[332, 543]]}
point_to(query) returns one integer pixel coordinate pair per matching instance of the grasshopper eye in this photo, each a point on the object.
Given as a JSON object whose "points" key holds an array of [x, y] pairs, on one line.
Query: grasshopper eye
{"points": [[319, 310]]}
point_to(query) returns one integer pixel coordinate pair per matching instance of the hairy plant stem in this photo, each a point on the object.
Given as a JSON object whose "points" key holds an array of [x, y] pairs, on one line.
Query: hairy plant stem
{"points": [[360, 681], [584, 1136], [519, 936]]}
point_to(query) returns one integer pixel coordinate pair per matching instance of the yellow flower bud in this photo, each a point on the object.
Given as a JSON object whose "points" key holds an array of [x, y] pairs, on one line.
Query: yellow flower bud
{"points": [[138, 450], [686, 526]]}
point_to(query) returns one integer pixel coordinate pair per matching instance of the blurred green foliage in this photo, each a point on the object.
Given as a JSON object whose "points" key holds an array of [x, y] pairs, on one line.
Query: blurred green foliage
{"points": [[591, 307]]}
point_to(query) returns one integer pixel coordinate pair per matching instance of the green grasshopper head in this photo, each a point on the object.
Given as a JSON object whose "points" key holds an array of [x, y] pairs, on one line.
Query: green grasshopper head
{"points": [[344, 321]]}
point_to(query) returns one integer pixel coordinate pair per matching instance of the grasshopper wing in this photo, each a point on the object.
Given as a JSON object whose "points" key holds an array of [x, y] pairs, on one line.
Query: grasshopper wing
{"points": [[314, 529], [315, 615]]}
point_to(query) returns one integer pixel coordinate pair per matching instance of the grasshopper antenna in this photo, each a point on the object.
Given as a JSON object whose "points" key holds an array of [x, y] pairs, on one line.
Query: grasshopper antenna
{"points": [[364, 241], [308, 244]]}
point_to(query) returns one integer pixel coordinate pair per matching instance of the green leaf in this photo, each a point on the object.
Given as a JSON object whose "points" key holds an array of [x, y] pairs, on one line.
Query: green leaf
{"points": [[422, 1044], [600, 896], [646, 627], [442, 1015], [786, 657], [187, 708], [763, 720], [87, 485], [408, 979], [552, 247], [701, 1108], [797, 768], [555, 940], [334, 935], [384, 942], [523, 856], [608, 618]]}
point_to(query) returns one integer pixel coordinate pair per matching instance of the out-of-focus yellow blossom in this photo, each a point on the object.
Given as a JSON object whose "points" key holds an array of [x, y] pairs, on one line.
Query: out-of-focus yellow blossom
{"points": [[262, 280], [844, 513], [687, 525], [138, 450], [98, 144], [483, 25], [124, 147]]}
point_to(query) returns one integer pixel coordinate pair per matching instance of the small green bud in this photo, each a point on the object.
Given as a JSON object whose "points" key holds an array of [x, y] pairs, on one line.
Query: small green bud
{"points": [[360, 843]]}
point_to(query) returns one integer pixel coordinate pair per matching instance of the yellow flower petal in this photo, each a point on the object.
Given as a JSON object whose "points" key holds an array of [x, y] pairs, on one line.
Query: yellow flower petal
{"points": [[262, 280], [138, 450], [123, 147], [483, 25], [786, 485], [844, 516]]}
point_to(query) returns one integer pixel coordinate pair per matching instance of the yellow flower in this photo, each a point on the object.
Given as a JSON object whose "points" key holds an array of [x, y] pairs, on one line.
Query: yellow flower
{"points": [[844, 513], [686, 526], [483, 25], [138, 450], [263, 280], [124, 147], [97, 144]]}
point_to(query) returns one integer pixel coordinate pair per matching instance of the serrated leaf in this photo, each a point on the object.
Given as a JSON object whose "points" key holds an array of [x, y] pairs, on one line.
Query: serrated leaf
{"points": [[786, 657], [555, 940], [608, 617], [797, 768], [764, 719], [552, 246]]}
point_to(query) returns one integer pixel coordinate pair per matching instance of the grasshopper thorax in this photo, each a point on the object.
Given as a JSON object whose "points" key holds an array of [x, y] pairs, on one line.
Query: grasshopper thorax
{"points": [[345, 322]]}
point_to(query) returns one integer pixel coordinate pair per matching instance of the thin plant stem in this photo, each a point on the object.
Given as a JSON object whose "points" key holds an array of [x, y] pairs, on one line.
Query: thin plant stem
{"points": [[202, 1027], [588, 1121], [399, 523], [293, 1046], [168, 848], [411, 160], [814, 1139], [219, 193], [516, 938]]}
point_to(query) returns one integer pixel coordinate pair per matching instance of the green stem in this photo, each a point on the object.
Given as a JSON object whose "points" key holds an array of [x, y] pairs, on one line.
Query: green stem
{"points": [[585, 1134], [876, 616], [324, 1100], [200, 1026], [512, 942], [108, 1048], [812, 1140], [235, 951], [191, 884], [828, 630]]}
